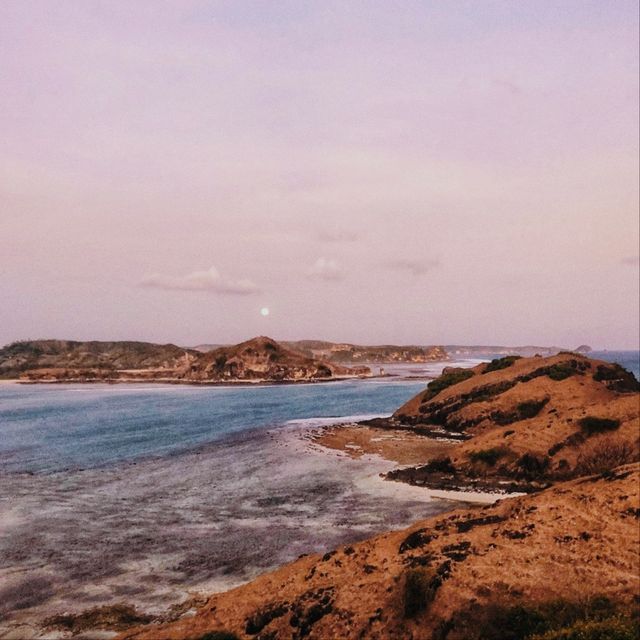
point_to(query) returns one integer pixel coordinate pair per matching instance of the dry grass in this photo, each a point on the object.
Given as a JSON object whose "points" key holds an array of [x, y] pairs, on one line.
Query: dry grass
{"points": [[604, 454]]}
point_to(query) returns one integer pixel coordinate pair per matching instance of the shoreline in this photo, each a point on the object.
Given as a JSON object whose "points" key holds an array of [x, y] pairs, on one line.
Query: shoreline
{"points": [[195, 383], [411, 449], [320, 505], [214, 383]]}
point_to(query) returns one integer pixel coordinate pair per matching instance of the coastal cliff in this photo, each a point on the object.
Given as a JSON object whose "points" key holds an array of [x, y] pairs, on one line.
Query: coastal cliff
{"points": [[260, 359]]}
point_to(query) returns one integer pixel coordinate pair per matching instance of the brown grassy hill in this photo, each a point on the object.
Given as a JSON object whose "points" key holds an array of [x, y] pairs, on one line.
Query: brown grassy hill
{"points": [[264, 359], [523, 566], [99, 359], [529, 418]]}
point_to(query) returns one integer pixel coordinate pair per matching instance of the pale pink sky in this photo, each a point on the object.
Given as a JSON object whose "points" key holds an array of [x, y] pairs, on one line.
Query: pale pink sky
{"points": [[408, 172]]}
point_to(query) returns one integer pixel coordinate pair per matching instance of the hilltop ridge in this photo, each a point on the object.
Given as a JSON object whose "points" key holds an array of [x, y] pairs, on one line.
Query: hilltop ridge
{"points": [[524, 419], [264, 358]]}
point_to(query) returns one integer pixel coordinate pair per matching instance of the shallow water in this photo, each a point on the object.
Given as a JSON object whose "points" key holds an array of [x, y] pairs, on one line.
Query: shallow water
{"points": [[55, 427], [142, 494]]}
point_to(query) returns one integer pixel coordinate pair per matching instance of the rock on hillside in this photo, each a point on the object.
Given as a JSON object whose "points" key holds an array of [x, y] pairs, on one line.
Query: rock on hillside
{"points": [[529, 418], [522, 566], [264, 359]]}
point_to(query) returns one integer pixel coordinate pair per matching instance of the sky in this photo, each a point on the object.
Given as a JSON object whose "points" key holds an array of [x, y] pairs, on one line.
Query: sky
{"points": [[375, 172]]}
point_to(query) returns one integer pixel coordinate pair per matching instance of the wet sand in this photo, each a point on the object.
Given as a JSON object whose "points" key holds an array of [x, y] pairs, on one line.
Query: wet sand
{"points": [[401, 446]]}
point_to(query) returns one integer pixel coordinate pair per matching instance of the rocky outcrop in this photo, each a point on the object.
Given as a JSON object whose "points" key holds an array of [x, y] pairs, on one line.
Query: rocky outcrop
{"points": [[583, 348], [264, 359]]}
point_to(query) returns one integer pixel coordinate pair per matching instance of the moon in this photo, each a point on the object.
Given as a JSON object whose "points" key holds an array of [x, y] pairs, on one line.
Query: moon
{"points": [[264, 311]]}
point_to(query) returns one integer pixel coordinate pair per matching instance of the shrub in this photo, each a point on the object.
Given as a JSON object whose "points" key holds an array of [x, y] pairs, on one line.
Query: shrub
{"points": [[605, 454], [531, 408], [532, 467], [616, 378], [488, 456], [444, 381], [530, 620], [611, 629], [592, 424], [501, 363], [218, 635], [441, 465], [561, 371], [420, 588]]}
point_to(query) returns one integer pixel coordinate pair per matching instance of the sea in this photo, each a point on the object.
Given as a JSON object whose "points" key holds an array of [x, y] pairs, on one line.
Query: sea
{"points": [[149, 494]]}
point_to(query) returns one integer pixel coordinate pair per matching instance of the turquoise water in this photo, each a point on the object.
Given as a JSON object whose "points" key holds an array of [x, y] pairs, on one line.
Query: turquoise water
{"points": [[146, 493], [45, 428], [57, 427]]}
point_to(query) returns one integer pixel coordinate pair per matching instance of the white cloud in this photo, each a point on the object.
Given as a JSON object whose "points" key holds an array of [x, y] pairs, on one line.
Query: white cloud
{"points": [[325, 269], [209, 280], [415, 267]]}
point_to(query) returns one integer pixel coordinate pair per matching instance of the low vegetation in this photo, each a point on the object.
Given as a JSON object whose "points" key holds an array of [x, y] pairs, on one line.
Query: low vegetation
{"points": [[618, 628], [446, 380], [441, 465], [532, 467], [218, 635], [488, 456], [501, 363], [595, 618], [561, 371], [591, 425], [531, 408], [605, 454], [616, 378], [420, 587], [523, 411]]}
